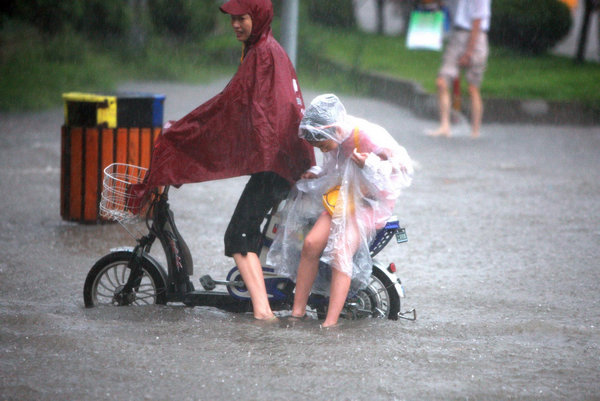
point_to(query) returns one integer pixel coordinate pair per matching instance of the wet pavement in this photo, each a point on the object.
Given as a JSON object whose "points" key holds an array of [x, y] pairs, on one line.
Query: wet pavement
{"points": [[501, 265]]}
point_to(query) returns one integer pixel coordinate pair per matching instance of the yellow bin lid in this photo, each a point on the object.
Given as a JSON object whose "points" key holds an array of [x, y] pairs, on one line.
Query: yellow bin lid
{"points": [[106, 111]]}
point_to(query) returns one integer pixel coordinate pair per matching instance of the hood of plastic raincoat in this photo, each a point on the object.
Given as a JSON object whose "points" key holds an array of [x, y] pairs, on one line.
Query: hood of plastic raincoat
{"points": [[250, 127], [322, 116]]}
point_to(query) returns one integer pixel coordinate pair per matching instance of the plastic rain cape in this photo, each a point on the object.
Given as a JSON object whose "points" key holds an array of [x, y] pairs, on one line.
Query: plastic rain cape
{"points": [[366, 201]]}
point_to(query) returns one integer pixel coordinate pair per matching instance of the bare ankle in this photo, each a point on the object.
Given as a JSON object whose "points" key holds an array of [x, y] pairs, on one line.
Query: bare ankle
{"points": [[264, 315], [441, 131], [298, 312]]}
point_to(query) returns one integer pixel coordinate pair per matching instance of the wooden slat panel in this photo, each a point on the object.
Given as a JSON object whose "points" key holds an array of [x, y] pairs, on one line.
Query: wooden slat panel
{"points": [[108, 147], [75, 177], [145, 147], [133, 148], [64, 171], [91, 196], [121, 144]]}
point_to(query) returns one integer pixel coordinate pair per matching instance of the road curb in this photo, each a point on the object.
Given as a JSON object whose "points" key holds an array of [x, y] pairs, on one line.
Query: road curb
{"points": [[411, 95]]}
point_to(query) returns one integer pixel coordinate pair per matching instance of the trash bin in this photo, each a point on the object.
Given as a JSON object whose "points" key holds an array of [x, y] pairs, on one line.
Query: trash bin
{"points": [[100, 130]]}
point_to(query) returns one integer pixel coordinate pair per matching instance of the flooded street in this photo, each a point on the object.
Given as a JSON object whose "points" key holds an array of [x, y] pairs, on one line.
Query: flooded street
{"points": [[502, 266]]}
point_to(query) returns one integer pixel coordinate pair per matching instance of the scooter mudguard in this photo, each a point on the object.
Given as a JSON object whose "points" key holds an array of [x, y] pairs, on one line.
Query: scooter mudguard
{"points": [[391, 275]]}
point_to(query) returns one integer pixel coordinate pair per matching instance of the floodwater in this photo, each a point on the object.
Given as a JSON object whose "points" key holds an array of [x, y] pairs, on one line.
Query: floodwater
{"points": [[502, 266]]}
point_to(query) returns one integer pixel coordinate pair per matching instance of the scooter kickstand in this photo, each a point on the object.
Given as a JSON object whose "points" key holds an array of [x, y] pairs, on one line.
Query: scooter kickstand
{"points": [[412, 312]]}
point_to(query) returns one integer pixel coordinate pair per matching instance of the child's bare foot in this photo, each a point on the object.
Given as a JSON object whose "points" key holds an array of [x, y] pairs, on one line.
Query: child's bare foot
{"points": [[330, 326], [329, 323]]}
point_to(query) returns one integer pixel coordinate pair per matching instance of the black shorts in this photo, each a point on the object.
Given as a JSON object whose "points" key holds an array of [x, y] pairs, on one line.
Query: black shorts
{"points": [[262, 192]]}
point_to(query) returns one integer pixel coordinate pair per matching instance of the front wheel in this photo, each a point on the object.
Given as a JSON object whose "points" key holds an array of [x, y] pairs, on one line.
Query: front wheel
{"points": [[108, 276]]}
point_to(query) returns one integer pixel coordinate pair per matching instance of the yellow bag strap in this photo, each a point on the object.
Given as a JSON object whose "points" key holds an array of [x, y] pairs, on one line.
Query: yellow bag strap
{"points": [[356, 141]]}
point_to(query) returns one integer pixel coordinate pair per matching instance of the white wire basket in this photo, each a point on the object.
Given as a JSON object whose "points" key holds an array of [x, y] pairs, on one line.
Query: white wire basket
{"points": [[116, 202]]}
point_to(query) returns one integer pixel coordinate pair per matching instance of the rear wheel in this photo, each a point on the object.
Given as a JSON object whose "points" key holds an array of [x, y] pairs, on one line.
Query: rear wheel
{"points": [[385, 300], [378, 299], [108, 276]]}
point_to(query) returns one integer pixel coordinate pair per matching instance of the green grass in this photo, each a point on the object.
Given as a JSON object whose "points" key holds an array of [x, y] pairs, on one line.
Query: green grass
{"points": [[35, 71], [33, 76], [509, 75], [544, 77]]}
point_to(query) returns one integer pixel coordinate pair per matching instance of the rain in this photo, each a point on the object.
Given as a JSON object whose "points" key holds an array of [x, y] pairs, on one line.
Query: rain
{"points": [[501, 265]]}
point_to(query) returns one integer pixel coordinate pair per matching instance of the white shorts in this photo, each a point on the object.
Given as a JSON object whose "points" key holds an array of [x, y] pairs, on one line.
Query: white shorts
{"points": [[454, 50]]}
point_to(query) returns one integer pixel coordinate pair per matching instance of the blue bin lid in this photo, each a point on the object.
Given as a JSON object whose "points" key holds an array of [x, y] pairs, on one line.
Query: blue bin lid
{"points": [[140, 95]]}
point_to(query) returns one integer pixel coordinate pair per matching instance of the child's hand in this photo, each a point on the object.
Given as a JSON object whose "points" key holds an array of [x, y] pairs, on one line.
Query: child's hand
{"points": [[308, 175], [359, 158]]}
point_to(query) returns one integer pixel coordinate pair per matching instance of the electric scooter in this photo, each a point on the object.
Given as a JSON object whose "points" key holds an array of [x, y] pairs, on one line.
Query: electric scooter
{"points": [[131, 276]]}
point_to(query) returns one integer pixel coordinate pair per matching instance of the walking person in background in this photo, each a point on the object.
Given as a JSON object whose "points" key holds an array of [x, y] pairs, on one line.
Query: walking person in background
{"points": [[467, 49]]}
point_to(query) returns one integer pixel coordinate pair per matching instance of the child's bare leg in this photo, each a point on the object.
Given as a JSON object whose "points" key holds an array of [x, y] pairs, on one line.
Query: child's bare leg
{"points": [[340, 284], [314, 243], [340, 281]]}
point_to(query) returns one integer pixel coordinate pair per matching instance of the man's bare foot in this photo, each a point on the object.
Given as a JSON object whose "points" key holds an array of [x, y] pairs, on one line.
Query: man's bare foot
{"points": [[445, 132], [266, 317]]}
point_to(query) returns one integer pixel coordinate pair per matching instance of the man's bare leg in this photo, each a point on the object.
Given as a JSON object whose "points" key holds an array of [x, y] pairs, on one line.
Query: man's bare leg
{"points": [[251, 270], [476, 110], [444, 105]]}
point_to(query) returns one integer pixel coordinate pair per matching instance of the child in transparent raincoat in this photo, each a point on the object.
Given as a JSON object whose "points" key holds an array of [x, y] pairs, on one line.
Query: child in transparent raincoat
{"points": [[325, 247]]}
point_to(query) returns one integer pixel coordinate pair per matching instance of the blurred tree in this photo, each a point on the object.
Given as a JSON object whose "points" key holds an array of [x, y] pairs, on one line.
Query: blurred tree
{"points": [[589, 7], [104, 19], [380, 19], [138, 30], [95, 18], [184, 19], [404, 8], [333, 13], [529, 26], [47, 16]]}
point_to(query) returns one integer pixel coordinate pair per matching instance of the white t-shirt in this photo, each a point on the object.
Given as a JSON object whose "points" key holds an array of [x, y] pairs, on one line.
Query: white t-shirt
{"points": [[468, 10]]}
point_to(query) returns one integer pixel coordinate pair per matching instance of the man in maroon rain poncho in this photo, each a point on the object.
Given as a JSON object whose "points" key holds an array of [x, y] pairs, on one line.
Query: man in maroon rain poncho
{"points": [[251, 127]]}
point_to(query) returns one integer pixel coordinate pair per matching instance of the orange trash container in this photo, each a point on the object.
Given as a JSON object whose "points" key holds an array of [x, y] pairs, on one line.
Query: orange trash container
{"points": [[100, 130]]}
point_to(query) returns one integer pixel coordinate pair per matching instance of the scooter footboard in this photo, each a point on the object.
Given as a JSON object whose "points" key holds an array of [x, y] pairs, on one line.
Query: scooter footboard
{"points": [[279, 288]]}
